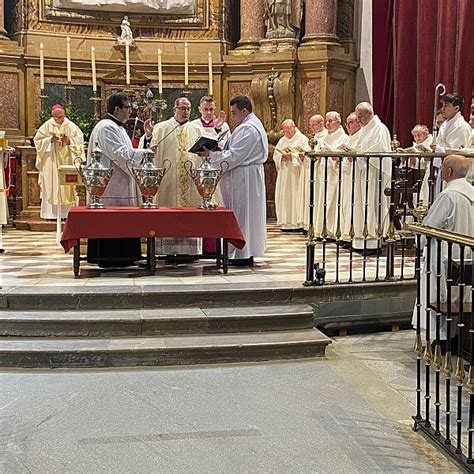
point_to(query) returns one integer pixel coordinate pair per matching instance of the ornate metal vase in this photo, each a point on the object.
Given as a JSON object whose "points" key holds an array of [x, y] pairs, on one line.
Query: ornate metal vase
{"points": [[206, 178], [148, 177], [95, 176]]}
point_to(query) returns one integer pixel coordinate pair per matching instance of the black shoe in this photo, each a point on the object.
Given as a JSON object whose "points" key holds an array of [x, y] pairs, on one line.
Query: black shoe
{"points": [[241, 262], [292, 229], [2, 250]]}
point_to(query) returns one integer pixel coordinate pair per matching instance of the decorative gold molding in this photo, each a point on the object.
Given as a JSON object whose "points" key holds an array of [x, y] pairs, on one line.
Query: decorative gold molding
{"points": [[48, 13]]}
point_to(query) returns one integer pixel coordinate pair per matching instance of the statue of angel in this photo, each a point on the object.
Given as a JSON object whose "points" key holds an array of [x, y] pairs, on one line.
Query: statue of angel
{"points": [[126, 36]]}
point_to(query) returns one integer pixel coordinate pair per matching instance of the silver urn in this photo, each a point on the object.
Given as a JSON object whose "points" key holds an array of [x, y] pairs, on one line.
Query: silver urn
{"points": [[95, 176], [206, 178], [148, 178]]}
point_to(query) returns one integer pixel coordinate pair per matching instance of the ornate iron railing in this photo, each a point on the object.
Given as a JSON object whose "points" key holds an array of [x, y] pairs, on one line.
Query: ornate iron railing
{"points": [[388, 210], [446, 265]]}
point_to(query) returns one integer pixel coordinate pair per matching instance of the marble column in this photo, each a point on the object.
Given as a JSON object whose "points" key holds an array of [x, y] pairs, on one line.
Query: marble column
{"points": [[252, 24], [321, 21], [3, 32]]}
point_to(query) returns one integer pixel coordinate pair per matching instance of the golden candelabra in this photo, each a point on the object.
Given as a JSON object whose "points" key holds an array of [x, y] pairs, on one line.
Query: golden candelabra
{"points": [[96, 100], [69, 88]]}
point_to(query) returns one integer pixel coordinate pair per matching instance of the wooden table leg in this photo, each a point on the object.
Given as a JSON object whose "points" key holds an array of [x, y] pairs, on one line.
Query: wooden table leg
{"points": [[218, 253], [225, 256], [151, 254], [76, 262]]}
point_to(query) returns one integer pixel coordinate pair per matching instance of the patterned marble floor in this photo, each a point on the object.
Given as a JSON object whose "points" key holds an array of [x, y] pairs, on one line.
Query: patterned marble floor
{"points": [[34, 258]]}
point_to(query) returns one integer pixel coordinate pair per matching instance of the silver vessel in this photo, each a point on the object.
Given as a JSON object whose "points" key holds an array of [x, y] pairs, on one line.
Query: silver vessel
{"points": [[95, 176], [148, 177], [206, 178]]}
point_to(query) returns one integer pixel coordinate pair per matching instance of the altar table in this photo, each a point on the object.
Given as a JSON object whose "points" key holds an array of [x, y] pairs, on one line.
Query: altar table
{"points": [[123, 222]]}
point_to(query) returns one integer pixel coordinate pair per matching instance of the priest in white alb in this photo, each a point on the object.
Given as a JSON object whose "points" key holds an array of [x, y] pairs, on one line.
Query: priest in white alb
{"points": [[371, 220], [453, 211], [288, 157], [327, 191], [316, 123], [52, 142], [171, 140]]}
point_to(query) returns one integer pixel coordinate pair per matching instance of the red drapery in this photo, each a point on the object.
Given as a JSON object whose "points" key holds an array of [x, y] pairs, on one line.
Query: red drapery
{"points": [[431, 44]]}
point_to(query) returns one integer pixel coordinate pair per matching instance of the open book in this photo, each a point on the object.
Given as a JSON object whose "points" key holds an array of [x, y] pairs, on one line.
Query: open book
{"points": [[346, 148], [419, 148], [202, 143]]}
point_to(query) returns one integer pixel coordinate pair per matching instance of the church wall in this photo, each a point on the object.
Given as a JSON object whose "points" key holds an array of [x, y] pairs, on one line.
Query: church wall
{"points": [[292, 79]]}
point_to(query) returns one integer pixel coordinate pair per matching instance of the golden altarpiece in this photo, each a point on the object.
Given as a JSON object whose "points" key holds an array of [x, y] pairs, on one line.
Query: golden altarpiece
{"points": [[292, 59]]}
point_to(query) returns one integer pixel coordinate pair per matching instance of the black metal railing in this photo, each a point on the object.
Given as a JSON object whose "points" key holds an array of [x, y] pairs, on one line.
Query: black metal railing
{"points": [[360, 206], [444, 275]]}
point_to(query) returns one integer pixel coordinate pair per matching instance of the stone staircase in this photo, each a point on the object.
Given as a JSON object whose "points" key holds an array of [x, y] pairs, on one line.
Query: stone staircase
{"points": [[157, 337]]}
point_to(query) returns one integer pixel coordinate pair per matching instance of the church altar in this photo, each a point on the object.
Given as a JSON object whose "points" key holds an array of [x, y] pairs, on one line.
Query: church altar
{"points": [[125, 222]]}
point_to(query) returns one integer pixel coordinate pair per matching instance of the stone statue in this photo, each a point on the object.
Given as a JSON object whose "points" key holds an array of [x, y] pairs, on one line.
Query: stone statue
{"points": [[126, 36], [282, 18]]}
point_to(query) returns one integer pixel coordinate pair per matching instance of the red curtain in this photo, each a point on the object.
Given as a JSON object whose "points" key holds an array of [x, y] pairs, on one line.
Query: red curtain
{"points": [[431, 45]]}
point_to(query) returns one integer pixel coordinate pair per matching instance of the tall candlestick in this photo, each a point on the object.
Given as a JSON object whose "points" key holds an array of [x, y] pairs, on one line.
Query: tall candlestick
{"points": [[186, 78], [68, 59], [127, 64], [210, 74], [41, 66], [160, 73], [94, 76]]}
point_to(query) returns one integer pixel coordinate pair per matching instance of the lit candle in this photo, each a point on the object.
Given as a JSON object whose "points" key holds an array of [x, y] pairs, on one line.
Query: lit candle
{"points": [[160, 73], [210, 74], [41, 67], [127, 64], [186, 78], [68, 59], [94, 76]]}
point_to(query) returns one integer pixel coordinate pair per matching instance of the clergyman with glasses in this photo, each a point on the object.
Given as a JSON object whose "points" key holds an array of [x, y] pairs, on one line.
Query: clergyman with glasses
{"points": [[110, 136], [171, 140]]}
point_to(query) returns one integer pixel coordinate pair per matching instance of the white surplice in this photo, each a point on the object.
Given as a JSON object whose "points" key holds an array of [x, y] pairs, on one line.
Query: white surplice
{"points": [[288, 179], [303, 198], [352, 141], [243, 185], [328, 185], [374, 137], [453, 134], [177, 189], [118, 154], [453, 211], [48, 157]]}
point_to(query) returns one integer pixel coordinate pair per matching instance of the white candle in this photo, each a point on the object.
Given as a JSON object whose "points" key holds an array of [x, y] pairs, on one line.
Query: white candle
{"points": [[127, 64], [68, 59], [186, 78], [210, 74], [160, 73], [41, 67], [94, 76]]}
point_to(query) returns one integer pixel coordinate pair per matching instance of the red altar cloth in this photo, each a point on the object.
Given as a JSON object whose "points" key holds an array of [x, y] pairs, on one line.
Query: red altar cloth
{"points": [[163, 222]]}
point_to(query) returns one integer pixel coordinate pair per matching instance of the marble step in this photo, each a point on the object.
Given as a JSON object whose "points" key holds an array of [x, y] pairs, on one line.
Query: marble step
{"points": [[161, 350], [149, 322]]}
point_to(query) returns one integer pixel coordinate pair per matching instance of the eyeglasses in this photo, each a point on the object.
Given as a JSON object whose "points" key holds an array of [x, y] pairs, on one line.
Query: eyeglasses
{"points": [[184, 109], [126, 106]]}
